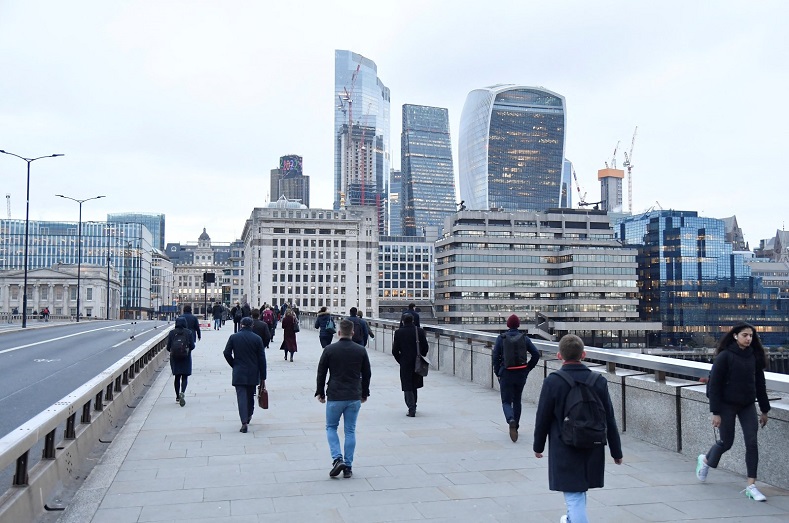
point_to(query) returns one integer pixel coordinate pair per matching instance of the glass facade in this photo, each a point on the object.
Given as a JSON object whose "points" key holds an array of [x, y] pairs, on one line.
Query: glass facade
{"points": [[361, 134], [566, 197], [153, 222], [428, 174], [511, 149], [395, 203], [690, 280]]}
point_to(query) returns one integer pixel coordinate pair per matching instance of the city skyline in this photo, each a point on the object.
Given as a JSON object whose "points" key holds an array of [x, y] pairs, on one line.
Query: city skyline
{"points": [[151, 99]]}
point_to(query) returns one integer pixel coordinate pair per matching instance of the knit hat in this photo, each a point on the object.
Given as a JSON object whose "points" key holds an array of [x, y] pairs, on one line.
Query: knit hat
{"points": [[246, 321], [513, 322]]}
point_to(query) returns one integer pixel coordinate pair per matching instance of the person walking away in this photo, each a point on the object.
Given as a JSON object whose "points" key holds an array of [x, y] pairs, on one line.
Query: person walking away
{"points": [[412, 311], [370, 334], [512, 365], [180, 345], [360, 333], [246, 311], [270, 319], [192, 323], [260, 328], [289, 334], [216, 312], [573, 465], [245, 353], [327, 327], [236, 314], [348, 367], [737, 377], [404, 350]]}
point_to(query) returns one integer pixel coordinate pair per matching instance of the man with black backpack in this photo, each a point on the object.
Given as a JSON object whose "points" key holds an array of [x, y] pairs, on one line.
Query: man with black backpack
{"points": [[511, 364], [576, 414]]}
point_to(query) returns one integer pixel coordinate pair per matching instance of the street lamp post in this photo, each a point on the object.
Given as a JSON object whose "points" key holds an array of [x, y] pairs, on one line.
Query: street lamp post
{"points": [[27, 225], [79, 241]]}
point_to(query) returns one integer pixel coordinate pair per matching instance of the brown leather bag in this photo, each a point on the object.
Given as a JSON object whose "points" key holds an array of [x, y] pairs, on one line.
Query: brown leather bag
{"points": [[262, 398]]}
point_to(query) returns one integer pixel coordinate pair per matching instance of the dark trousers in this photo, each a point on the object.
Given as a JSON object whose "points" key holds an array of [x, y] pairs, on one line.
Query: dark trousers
{"points": [[511, 387], [410, 399], [245, 394], [750, 428], [326, 340], [180, 383], [235, 325]]}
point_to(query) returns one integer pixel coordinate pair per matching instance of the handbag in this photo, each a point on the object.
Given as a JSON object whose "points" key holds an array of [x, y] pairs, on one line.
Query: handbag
{"points": [[296, 327], [422, 365], [262, 398]]}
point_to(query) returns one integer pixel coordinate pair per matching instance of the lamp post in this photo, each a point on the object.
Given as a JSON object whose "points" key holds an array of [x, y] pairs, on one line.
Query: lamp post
{"points": [[79, 241], [27, 225]]}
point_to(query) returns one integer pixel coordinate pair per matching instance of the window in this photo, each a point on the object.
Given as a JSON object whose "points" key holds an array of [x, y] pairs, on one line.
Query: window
{"points": [[89, 296], [73, 295]]}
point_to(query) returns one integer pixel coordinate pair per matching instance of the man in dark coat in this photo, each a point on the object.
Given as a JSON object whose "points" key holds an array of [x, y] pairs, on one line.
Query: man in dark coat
{"points": [[192, 323], [412, 311], [216, 313], [236, 314], [260, 328], [572, 470], [360, 331], [181, 367], [404, 350], [348, 366], [245, 353], [246, 311]]}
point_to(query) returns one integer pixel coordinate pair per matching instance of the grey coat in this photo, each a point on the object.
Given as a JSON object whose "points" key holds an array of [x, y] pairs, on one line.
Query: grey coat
{"points": [[245, 353]]}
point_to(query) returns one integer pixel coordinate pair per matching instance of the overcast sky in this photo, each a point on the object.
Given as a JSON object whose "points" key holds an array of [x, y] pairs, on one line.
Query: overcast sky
{"points": [[183, 107]]}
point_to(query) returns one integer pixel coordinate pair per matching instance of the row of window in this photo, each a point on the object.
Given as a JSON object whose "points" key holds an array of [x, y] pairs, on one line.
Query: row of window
{"points": [[536, 283], [14, 292]]}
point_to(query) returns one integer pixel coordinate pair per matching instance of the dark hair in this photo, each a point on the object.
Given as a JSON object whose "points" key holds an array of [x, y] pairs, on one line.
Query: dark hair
{"points": [[353, 311], [758, 349], [412, 306], [323, 309], [571, 347], [408, 319], [187, 308], [255, 314]]}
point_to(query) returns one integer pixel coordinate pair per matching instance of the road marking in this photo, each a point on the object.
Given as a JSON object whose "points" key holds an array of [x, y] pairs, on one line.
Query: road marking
{"points": [[45, 361], [132, 339], [12, 349]]}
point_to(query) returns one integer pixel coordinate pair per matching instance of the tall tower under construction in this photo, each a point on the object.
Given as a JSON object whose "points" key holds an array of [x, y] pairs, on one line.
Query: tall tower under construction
{"points": [[611, 188]]}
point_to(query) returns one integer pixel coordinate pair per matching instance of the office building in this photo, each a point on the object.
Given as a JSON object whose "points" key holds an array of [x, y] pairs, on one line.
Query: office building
{"points": [[361, 135], [395, 203], [695, 284], [288, 180], [428, 175], [312, 258], [566, 198], [511, 149], [191, 262], [611, 189], [561, 271], [153, 222], [406, 274]]}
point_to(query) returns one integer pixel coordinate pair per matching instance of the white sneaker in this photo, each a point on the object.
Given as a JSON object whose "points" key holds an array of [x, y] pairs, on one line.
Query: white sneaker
{"points": [[701, 468], [563, 519], [751, 492]]}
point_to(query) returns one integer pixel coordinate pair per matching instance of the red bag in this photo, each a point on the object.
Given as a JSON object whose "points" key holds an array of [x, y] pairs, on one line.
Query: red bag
{"points": [[262, 398]]}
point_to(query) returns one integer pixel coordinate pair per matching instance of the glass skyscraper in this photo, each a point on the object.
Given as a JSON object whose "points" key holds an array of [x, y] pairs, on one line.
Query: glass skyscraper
{"points": [[154, 223], [395, 203], [428, 176], [361, 134], [511, 148]]}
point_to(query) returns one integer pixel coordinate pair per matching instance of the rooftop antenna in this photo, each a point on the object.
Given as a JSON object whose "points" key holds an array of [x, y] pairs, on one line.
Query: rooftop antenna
{"points": [[8, 204]]}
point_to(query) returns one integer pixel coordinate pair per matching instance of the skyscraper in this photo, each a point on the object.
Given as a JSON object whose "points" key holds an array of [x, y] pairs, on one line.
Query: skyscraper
{"points": [[426, 160], [611, 188], [154, 223], [566, 199], [395, 203], [511, 148], [361, 134], [289, 180]]}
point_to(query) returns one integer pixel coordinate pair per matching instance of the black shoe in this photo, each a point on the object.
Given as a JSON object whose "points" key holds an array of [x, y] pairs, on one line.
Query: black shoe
{"points": [[347, 473], [243, 428], [338, 466], [411, 413], [513, 430]]}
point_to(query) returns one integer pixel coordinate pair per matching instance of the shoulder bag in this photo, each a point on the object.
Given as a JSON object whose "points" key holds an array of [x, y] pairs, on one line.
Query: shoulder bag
{"points": [[422, 365]]}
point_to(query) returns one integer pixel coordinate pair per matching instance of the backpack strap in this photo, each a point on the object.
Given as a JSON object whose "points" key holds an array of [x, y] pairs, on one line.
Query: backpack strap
{"points": [[591, 379], [566, 377]]}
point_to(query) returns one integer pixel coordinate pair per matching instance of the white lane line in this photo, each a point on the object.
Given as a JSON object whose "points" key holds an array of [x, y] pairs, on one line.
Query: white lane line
{"points": [[12, 349]]}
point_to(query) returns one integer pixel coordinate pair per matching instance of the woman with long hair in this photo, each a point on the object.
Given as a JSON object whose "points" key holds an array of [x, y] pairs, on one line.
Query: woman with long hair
{"points": [[736, 383], [289, 334]]}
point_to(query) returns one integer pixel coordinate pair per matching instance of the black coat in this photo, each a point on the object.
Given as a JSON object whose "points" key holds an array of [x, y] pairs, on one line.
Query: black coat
{"points": [[348, 366], [737, 379], [404, 351], [571, 469], [261, 329], [193, 324], [245, 353], [183, 365]]}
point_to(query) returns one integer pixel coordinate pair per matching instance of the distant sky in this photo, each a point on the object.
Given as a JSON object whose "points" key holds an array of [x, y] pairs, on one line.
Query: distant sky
{"points": [[183, 107]]}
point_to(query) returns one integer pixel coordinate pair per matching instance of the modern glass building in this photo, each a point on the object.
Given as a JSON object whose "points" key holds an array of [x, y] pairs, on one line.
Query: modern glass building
{"points": [[288, 180], [395, 203], [511, 148], [153, 222], [690, 280], [566, 198], [428, 175], [361, 134]]}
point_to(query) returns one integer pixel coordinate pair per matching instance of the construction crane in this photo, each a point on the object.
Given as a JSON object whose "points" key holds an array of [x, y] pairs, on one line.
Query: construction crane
{"points": [[346, 106], [613, 157], [581, 198], [8, 204], [596, 205], [628, 164]]}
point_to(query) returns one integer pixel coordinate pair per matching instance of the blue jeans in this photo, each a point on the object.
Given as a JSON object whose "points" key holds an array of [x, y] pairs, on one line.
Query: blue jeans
{"points": [[511, 388], [576, 507], [217, 323], [349, 410]]}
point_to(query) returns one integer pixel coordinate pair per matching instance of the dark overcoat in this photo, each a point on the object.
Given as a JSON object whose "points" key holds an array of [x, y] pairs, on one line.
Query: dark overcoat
{"points": [[289, 335], [245, 353], [404, 351], [572, 469], [183, 365]]}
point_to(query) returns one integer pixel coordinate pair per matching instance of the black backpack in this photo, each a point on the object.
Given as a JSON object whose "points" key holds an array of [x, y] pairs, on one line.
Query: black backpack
{"points": [[515, 351], [584, 424], [358, 337], [179, 348], [238, 315]]}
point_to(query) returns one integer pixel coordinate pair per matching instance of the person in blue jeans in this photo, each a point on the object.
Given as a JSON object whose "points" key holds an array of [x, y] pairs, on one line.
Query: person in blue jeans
{"points": [[348, 367]]}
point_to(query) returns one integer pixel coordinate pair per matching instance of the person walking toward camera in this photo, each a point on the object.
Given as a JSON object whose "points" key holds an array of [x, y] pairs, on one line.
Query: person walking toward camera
{"points": [[348, 367], [180, 345], [511, 365], [737, 378], [409, 340]]}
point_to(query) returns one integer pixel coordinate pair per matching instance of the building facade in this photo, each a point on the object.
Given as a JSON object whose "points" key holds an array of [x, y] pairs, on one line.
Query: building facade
{"points": [[162, 285], [566, 198], [561, 271], [362, 154], [312, 258], [427, 169], [395, 203], [695, 284], [611, 189], [511, 148], [406, 274], [288, 180], [153, 222]]}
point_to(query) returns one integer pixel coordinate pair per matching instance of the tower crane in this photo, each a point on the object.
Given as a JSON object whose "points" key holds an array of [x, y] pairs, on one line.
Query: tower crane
{"points": [[346, 106], [613, 157], [628, 164], [581, 198]]}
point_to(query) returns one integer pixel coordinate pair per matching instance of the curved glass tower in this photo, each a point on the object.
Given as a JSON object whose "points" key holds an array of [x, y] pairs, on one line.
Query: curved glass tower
{"points": [[511, 148]]}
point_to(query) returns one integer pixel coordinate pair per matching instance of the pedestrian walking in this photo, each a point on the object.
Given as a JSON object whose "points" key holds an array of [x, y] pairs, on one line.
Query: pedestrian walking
{"points": [[409, 340], [412, 311], [236, 314], [327, 327], [192, 323], [737, 377], [360, 331], [180, 345], [511, 365], [348, 367], [260, 328], [245, 353], [289, 334], [216, 313]]}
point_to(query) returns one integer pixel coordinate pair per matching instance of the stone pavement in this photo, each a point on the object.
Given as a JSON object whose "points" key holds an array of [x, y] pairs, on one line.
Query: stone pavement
{"points": [[453, 462]]}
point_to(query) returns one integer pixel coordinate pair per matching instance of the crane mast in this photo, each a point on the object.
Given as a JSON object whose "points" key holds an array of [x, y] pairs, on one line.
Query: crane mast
{"points": [[629, 166]]}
